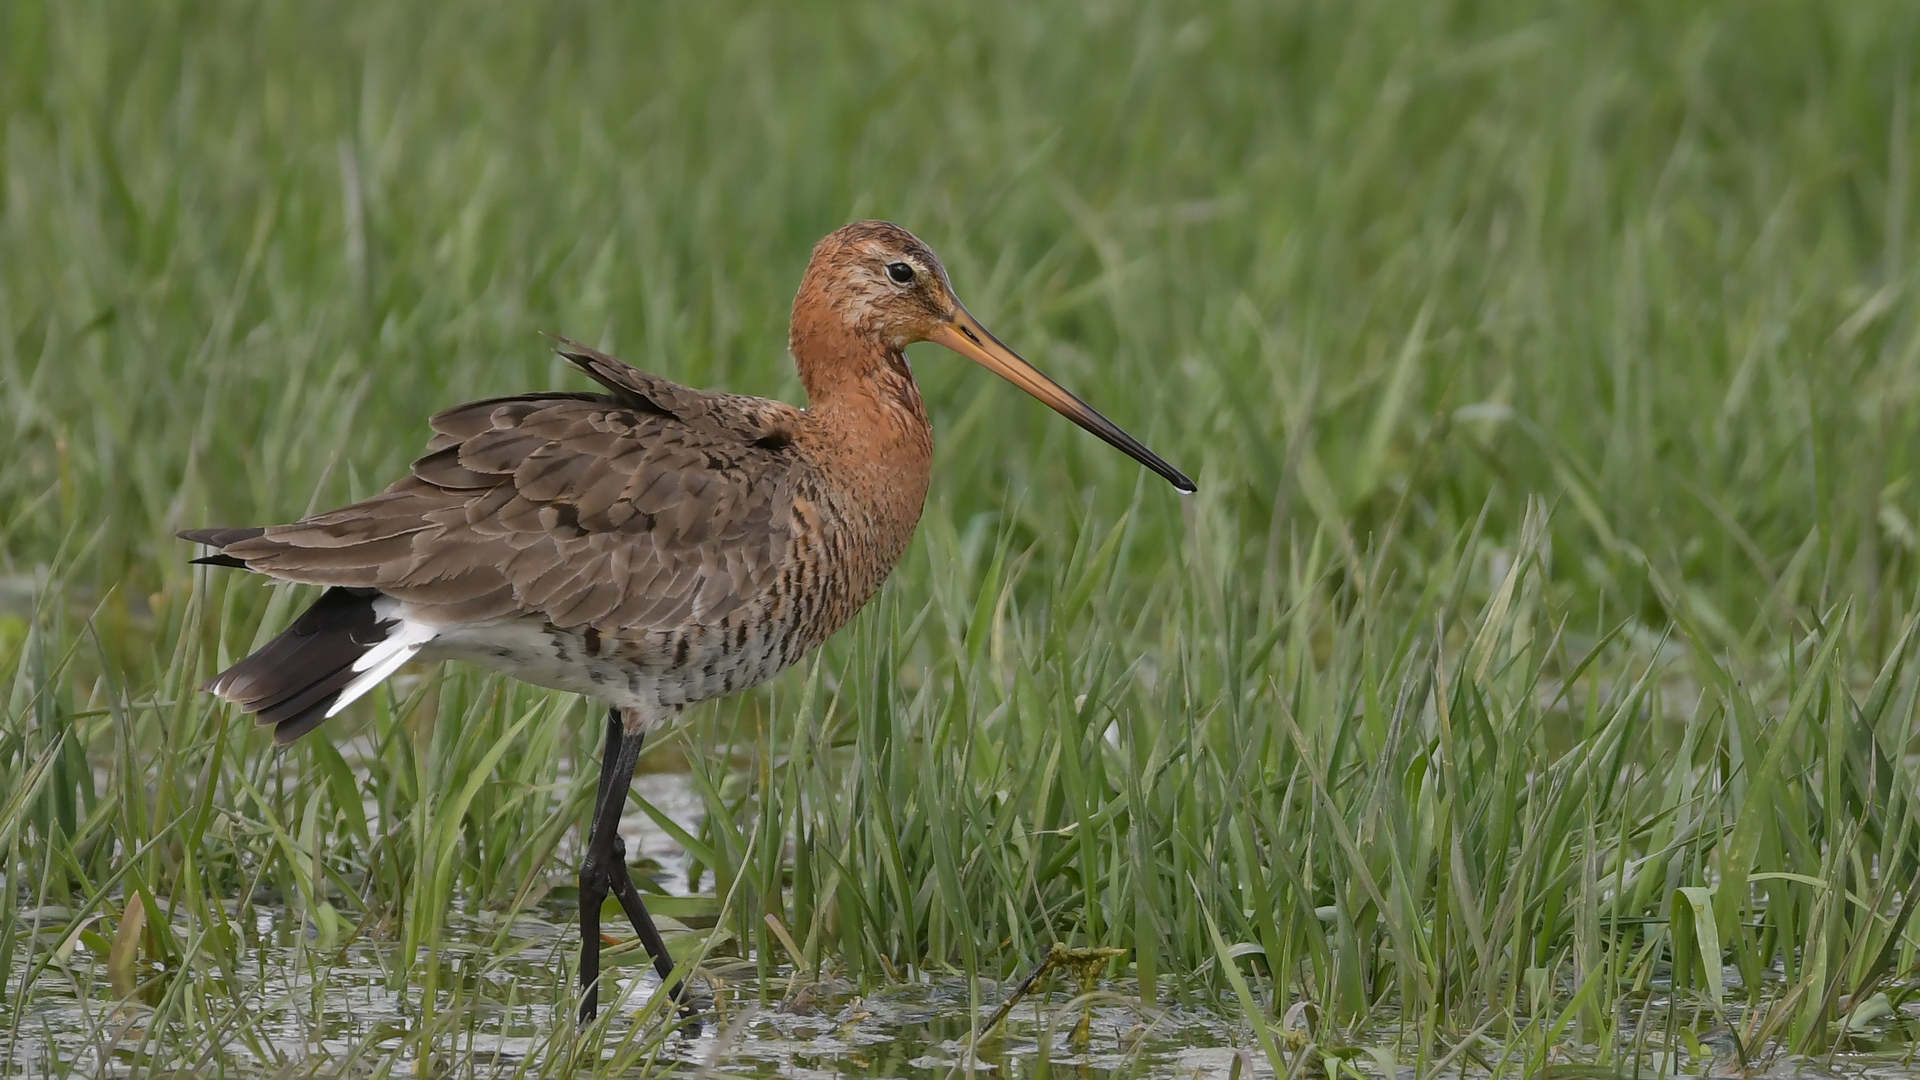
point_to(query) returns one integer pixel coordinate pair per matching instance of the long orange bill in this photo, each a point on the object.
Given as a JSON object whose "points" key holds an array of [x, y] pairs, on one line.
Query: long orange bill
{"points": [[967, 337]]}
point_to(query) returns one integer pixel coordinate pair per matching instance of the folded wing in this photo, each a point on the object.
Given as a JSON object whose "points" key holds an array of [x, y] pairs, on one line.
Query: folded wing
{"points": [[651, 507]]}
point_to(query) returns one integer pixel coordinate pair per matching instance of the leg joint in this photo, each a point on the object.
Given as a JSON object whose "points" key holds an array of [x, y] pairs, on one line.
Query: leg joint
{"points": [[593, 880]]}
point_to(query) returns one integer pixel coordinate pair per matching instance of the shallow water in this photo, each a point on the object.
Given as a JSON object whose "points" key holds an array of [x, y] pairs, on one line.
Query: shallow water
{"points": [[345, 1012], [300, 1008]]}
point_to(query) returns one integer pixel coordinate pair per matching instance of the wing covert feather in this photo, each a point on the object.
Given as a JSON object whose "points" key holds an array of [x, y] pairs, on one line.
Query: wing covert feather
{"points": [[653, 507]]}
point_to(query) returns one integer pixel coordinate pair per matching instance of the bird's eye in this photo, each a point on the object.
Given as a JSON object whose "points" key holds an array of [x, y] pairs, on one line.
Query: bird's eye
{"points": [[900, 272]]}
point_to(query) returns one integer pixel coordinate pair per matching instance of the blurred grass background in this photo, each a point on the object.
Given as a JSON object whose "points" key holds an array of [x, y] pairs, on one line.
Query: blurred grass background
{"points": [[1549, 371]]}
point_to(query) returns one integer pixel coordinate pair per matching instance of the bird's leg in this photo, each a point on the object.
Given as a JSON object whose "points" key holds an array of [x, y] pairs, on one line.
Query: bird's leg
{"points": [[625, 891], [596, 873], [606, 869]]}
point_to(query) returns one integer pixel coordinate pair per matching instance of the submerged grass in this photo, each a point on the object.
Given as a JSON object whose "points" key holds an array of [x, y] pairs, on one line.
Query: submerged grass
{"points": [[1532, 679]]}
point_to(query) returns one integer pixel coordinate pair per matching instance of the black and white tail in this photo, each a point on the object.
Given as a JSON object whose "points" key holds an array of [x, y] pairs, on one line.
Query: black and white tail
{"points": [[340, 648]]}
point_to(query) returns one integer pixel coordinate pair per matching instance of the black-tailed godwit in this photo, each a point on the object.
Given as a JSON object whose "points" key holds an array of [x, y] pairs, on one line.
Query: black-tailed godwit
{"points": [[651, 546]]}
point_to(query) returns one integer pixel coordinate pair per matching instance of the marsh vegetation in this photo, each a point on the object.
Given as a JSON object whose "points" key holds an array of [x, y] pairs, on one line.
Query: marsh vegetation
{"points": [[1531, 682]]}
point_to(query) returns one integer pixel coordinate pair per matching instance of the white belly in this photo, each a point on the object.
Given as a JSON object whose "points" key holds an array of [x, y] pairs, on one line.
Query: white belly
{"points": [[529, 652]]}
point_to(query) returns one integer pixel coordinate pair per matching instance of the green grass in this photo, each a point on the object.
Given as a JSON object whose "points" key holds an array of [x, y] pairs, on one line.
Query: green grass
{"points": [[1545, 624]]}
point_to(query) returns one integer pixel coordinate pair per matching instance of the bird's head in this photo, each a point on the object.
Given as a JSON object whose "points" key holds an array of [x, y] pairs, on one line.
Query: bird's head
{"points": [[875, 283]]}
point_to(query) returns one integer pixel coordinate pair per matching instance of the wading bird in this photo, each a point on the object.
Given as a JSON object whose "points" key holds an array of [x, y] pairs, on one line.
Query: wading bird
{"points": [[651, 546]]}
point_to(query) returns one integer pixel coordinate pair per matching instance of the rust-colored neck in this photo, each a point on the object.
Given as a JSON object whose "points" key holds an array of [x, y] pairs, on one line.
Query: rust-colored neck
{"points": [[869, 433], [859, 383]]}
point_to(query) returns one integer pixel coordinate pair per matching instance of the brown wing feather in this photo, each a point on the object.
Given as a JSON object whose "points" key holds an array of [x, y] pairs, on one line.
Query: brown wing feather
{"points": [[640, 389], [655, 506]]}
